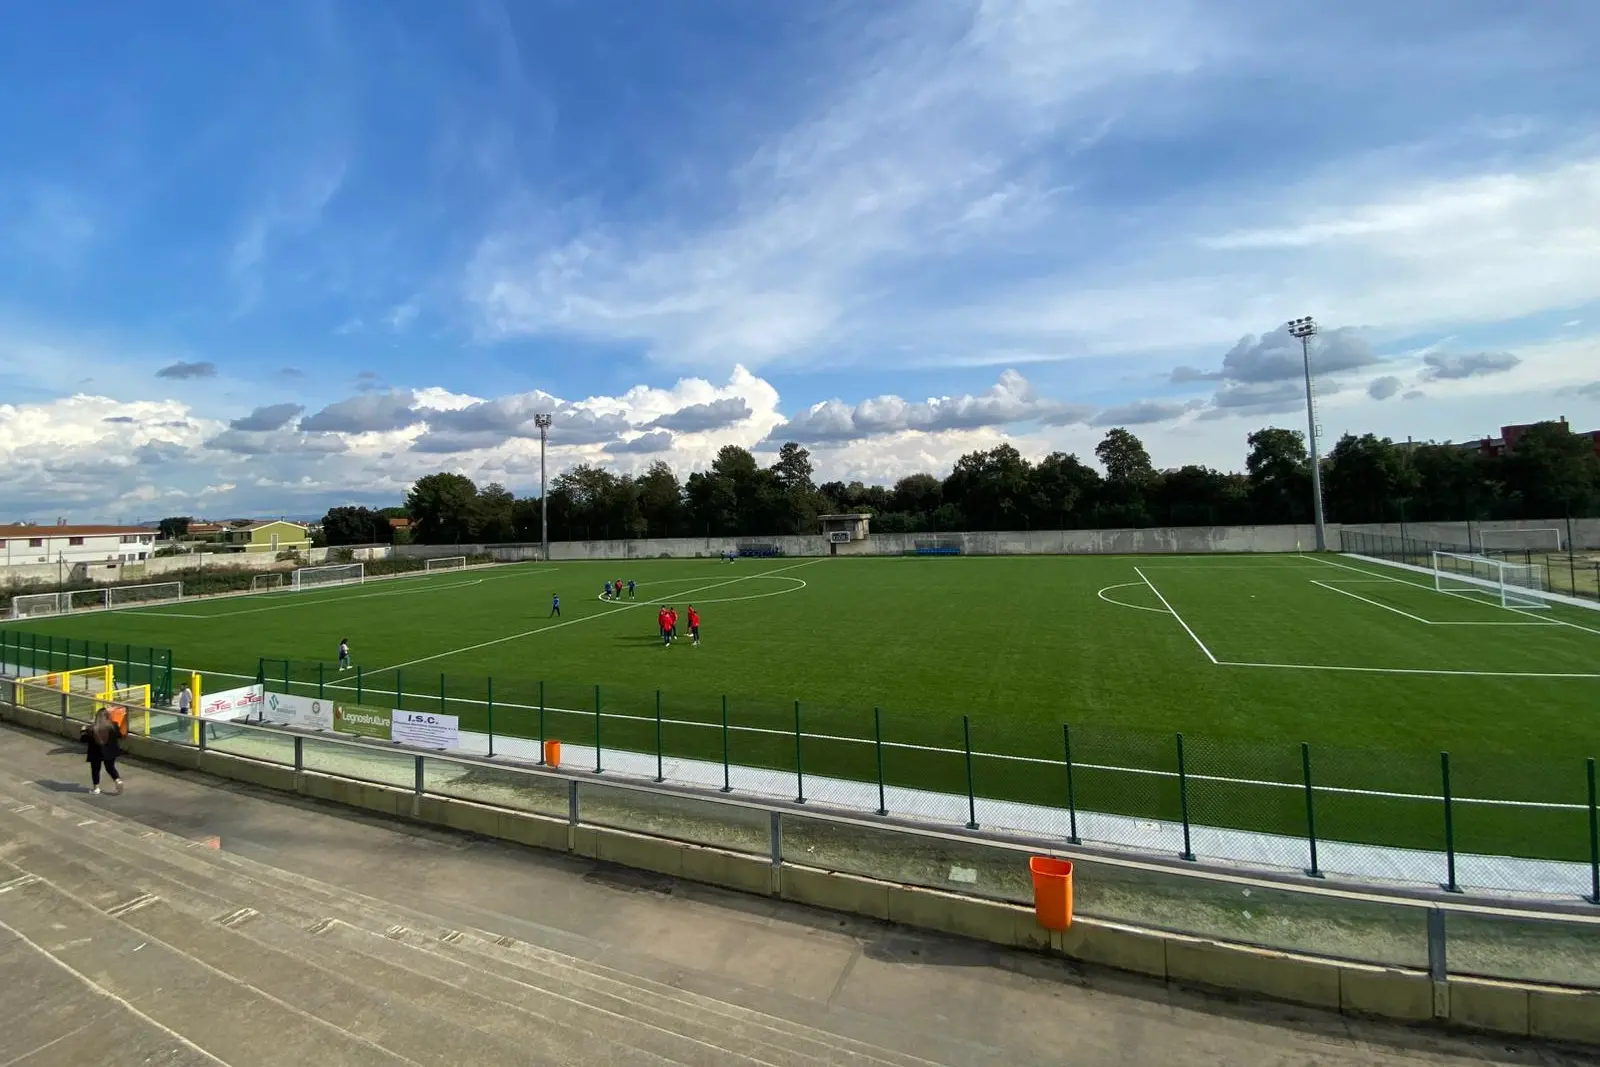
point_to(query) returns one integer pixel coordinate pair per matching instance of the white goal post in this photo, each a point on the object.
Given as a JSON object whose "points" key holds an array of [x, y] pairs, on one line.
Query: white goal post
{"points": [[105, 598], [1512, 585], [1545, 539], [33, 605], [334, 574], [272, 580], [122, 596], [445, 563]]}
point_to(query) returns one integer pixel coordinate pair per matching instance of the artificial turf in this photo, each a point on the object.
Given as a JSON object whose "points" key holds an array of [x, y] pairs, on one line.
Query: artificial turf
{"points": [[1247, 656]]}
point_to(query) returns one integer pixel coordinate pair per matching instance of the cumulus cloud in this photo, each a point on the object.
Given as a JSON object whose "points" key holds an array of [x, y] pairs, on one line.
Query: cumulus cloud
{"points": [[373, 413], [1442, 366], [1255, 398], [1012, 399], [181, 370], [1383, 388], [644, 444], [1277, 357], [1142, 412], [275, 443], [699, 418], [271, 417], [1415, 394]]}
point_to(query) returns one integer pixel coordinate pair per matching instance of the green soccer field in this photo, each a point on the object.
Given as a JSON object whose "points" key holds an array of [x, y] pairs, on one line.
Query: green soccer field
{"points": [[1247, 657]]}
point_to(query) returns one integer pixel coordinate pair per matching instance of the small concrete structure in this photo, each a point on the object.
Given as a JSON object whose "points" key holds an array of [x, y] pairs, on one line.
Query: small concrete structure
{"points": [[843, 529]]}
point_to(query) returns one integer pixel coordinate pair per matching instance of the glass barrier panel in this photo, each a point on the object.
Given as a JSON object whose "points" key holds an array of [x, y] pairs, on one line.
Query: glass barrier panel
{"points": [[679, 818], [361, 762], [500, 786]]}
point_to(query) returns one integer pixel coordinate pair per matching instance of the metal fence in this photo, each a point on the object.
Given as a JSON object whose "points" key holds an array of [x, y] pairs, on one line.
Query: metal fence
{"points": [[1440, 936], [35, 653], [1456, 820], [1571, 573]]}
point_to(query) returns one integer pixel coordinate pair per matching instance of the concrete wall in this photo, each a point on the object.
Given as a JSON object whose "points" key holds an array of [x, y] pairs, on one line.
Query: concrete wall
{"points": [[1191, 539], [500, 553]]}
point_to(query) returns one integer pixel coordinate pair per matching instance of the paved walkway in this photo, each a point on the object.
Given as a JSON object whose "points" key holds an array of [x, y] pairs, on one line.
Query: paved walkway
{"points": [[192, 922]]}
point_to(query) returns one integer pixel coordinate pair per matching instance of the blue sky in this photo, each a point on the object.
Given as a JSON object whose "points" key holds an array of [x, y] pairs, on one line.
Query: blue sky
{"points": [[262, 259]]}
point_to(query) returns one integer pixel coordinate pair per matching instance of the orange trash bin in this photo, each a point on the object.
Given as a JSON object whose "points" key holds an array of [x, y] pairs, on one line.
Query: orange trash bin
{"points": [[1052, 891], [552, 753]]}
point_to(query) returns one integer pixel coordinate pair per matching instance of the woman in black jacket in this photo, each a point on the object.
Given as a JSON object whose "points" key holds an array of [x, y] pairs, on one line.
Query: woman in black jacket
{"points": [[103, 739]]}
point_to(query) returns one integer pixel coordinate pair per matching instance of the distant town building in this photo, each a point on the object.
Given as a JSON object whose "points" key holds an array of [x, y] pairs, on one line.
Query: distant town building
{"points": [[30, 543], [1507, 441]]}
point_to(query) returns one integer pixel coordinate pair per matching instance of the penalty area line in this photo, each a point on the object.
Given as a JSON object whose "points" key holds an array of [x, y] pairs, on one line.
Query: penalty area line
{"points": [[1409, 670], [1175, 615]]}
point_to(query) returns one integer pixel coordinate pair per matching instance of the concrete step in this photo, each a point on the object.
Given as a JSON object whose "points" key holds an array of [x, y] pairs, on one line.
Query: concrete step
{"points": [[434, 1022], [55, 1018], [469, 960], [231, 1020]]}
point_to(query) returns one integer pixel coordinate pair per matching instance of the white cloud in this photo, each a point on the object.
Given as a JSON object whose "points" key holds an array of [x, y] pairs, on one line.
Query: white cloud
{"points": [[1468, 365], [1012, 399]]}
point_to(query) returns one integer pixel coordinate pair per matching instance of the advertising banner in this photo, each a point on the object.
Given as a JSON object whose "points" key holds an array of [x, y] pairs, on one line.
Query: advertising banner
{"points": [[245, 702], [360, 723], [305, 713], [420, 729]]}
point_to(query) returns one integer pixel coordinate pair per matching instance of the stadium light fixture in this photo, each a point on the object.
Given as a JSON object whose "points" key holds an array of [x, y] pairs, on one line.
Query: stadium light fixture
{"points": [[1305, 328], [543, 420]]}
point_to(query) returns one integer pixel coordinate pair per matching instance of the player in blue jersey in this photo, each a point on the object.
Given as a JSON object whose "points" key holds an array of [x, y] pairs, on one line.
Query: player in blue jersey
{"points": [[555, 605]]}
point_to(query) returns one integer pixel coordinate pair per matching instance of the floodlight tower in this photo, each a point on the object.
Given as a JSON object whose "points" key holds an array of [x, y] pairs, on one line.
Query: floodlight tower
{"points": [[542, 420], [1305, 329]]}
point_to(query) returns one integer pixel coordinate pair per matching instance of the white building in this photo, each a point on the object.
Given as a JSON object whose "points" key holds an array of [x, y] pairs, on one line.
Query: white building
{"points": [[25, 544]]}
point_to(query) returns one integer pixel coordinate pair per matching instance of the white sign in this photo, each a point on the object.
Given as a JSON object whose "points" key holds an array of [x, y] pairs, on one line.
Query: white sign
{"points": [[420, 729], [230, 704], [305, 713]]}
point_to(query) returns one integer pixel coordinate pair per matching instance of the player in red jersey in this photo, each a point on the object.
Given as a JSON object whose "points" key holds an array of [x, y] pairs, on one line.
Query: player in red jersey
{"points": [[694, 626], [664, 624]]}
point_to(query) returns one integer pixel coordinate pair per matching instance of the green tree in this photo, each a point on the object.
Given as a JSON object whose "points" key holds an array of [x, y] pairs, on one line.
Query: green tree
{"points": [[660, 501], [1551, 472], [1130, 479], [355, 526], [1453, 483], [493, 518], [917, 495], [1366, 479], [1279, 475], [800, 502], [991, 488], [174, 527], [1062, 488], [440, 506]]}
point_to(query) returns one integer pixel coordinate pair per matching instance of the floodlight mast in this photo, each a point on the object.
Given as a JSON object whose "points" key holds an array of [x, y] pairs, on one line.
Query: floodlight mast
{"points": [[1305, 329], [542, 420]]}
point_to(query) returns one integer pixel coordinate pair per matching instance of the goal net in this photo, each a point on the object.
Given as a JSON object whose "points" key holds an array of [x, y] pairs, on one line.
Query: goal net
{"points": [[446, 563], [1547, 539], [263, 582], [32, 605], [1511, 585], [334, 574], [124, 596]]}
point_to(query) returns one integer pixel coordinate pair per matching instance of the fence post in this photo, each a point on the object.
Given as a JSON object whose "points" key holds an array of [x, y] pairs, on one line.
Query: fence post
{"points": [[489, 707], [399, 690], [299, 754], [441, 693], [727, 782], [877, 744], [660, 777], [1594, 839], [541, 723], [1449, 826], [972, 800], [419, 774], [1072, 796], [597, 768], [261, 671], [799, 765], [1311, 811], [1438, 954], [150, 667], [321, 679], [360, 689], [1183, 802]]}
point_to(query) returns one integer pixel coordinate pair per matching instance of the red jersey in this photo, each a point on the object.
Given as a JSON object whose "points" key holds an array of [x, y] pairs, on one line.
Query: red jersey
{"points": [[672, 617], [694, 618], [665, 619]]}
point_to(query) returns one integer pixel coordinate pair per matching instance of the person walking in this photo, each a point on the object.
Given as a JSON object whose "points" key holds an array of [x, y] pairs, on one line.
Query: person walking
{"points": [[103, 742]]}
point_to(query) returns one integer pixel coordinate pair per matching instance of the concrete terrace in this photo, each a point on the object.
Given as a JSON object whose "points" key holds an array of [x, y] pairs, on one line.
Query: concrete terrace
{"points": [[192, 922]]}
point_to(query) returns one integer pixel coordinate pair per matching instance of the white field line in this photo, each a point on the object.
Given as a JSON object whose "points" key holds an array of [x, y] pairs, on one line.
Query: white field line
{"points": [[589, 618], [1175, 615], [1122, 603], [1409, 670], [422, 699], [1374, 603], [1419, 585]]}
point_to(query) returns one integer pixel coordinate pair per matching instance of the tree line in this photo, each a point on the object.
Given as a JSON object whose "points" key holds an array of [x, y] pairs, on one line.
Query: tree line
{"points": [[1550, 474]]}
